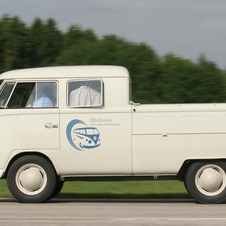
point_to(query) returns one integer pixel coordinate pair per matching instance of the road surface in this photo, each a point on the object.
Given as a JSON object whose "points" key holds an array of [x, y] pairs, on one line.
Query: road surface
{"points": [[68, 212]]}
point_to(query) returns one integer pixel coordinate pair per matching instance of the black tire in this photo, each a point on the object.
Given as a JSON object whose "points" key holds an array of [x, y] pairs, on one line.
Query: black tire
{"points": [[206, 181], [31, 179], [58, 188]]}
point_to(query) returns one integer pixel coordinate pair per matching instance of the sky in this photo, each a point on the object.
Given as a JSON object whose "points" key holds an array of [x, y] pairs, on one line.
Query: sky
{"points": [[184, 28]]}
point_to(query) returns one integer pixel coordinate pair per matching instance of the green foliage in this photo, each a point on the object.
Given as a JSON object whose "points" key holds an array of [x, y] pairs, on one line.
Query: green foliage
{"points": [[22, 47], [45, 41], [187, 82], [169, 79], [14, 44], [76, 35]]}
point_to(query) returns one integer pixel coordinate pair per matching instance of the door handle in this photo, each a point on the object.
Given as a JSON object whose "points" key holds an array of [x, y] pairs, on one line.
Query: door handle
{"points": [[50, 126]]}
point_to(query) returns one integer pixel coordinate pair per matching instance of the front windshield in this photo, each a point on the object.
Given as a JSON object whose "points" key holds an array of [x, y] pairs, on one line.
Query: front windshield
{"points": [[5, 93]]}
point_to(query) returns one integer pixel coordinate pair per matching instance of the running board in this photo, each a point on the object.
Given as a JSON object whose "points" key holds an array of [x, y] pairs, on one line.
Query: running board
{"points": [[118, 178]]}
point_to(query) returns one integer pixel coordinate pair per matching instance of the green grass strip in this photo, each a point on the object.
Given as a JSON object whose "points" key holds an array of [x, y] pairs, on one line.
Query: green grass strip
{"points": [[124, 189], [116, 190]]}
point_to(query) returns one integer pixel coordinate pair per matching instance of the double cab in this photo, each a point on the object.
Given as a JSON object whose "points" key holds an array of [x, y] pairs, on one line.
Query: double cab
{"points": [[80, 123]]}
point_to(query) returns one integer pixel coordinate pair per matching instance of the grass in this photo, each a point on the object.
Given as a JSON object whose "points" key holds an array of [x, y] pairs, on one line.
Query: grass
{"points": [[125, 189], [117, 190], [4, 191]]}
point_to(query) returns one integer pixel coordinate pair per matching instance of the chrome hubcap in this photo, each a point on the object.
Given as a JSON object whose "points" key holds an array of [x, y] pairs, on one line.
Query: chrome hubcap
{"points": [[31, 179], [210, 180]]}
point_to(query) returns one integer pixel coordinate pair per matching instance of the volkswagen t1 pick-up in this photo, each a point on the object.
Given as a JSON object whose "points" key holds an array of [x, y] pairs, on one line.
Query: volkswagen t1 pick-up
{"points": [[79, 123]]}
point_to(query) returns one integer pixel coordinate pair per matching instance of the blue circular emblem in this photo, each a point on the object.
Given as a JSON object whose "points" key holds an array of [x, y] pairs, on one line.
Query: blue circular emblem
{"points": [[82, 137]]}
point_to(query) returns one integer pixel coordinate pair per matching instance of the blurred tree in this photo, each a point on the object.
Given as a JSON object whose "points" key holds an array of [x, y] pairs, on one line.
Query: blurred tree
{"points": [[187, 82], [76, 35], [13, 44], [213, 80], [45, 42]]}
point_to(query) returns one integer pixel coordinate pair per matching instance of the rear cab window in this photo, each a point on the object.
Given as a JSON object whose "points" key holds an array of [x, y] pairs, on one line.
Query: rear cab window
{"points": [[85, 93]]}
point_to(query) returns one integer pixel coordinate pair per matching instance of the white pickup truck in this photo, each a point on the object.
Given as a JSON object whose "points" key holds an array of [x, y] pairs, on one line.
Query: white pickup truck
{"points": [[79, 123]]}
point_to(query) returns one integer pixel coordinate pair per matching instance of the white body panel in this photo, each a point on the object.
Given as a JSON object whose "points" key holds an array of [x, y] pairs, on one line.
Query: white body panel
{"points": [[24, 130], [164, 136], [117, 138]]}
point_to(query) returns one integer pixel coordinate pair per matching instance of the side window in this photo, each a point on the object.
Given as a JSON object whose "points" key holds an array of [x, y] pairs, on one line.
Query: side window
{"points": [[20, 95], [44, 95], [85, 93], [5, 93], [34, 95]]}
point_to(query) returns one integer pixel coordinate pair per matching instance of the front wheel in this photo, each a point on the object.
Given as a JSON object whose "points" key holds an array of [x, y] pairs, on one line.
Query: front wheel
{"points": [[57, 189], [31, 179], [206, 181]]}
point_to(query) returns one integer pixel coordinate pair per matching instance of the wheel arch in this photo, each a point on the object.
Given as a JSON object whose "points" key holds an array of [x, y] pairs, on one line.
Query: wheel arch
{"points": [[22, 154], [187, 163]]}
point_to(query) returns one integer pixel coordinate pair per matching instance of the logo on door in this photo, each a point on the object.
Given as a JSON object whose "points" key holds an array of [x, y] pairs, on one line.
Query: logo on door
{"points": [[82, 137]]}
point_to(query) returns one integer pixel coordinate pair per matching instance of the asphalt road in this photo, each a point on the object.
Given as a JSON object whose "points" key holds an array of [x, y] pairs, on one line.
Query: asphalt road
{"points": [[69, 212]]}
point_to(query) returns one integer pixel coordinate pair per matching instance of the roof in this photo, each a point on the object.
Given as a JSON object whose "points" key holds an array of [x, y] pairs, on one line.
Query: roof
{"points": [[67, 72]]}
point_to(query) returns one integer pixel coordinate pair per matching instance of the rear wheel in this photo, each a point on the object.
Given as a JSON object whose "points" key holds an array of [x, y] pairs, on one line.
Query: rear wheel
{"points": [[31, 179], [206, 181]]}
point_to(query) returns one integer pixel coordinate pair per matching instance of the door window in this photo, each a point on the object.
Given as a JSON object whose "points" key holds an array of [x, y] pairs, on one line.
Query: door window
{"points": [[44, 95], [31, 95], [6, 91], [20, 95]]}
